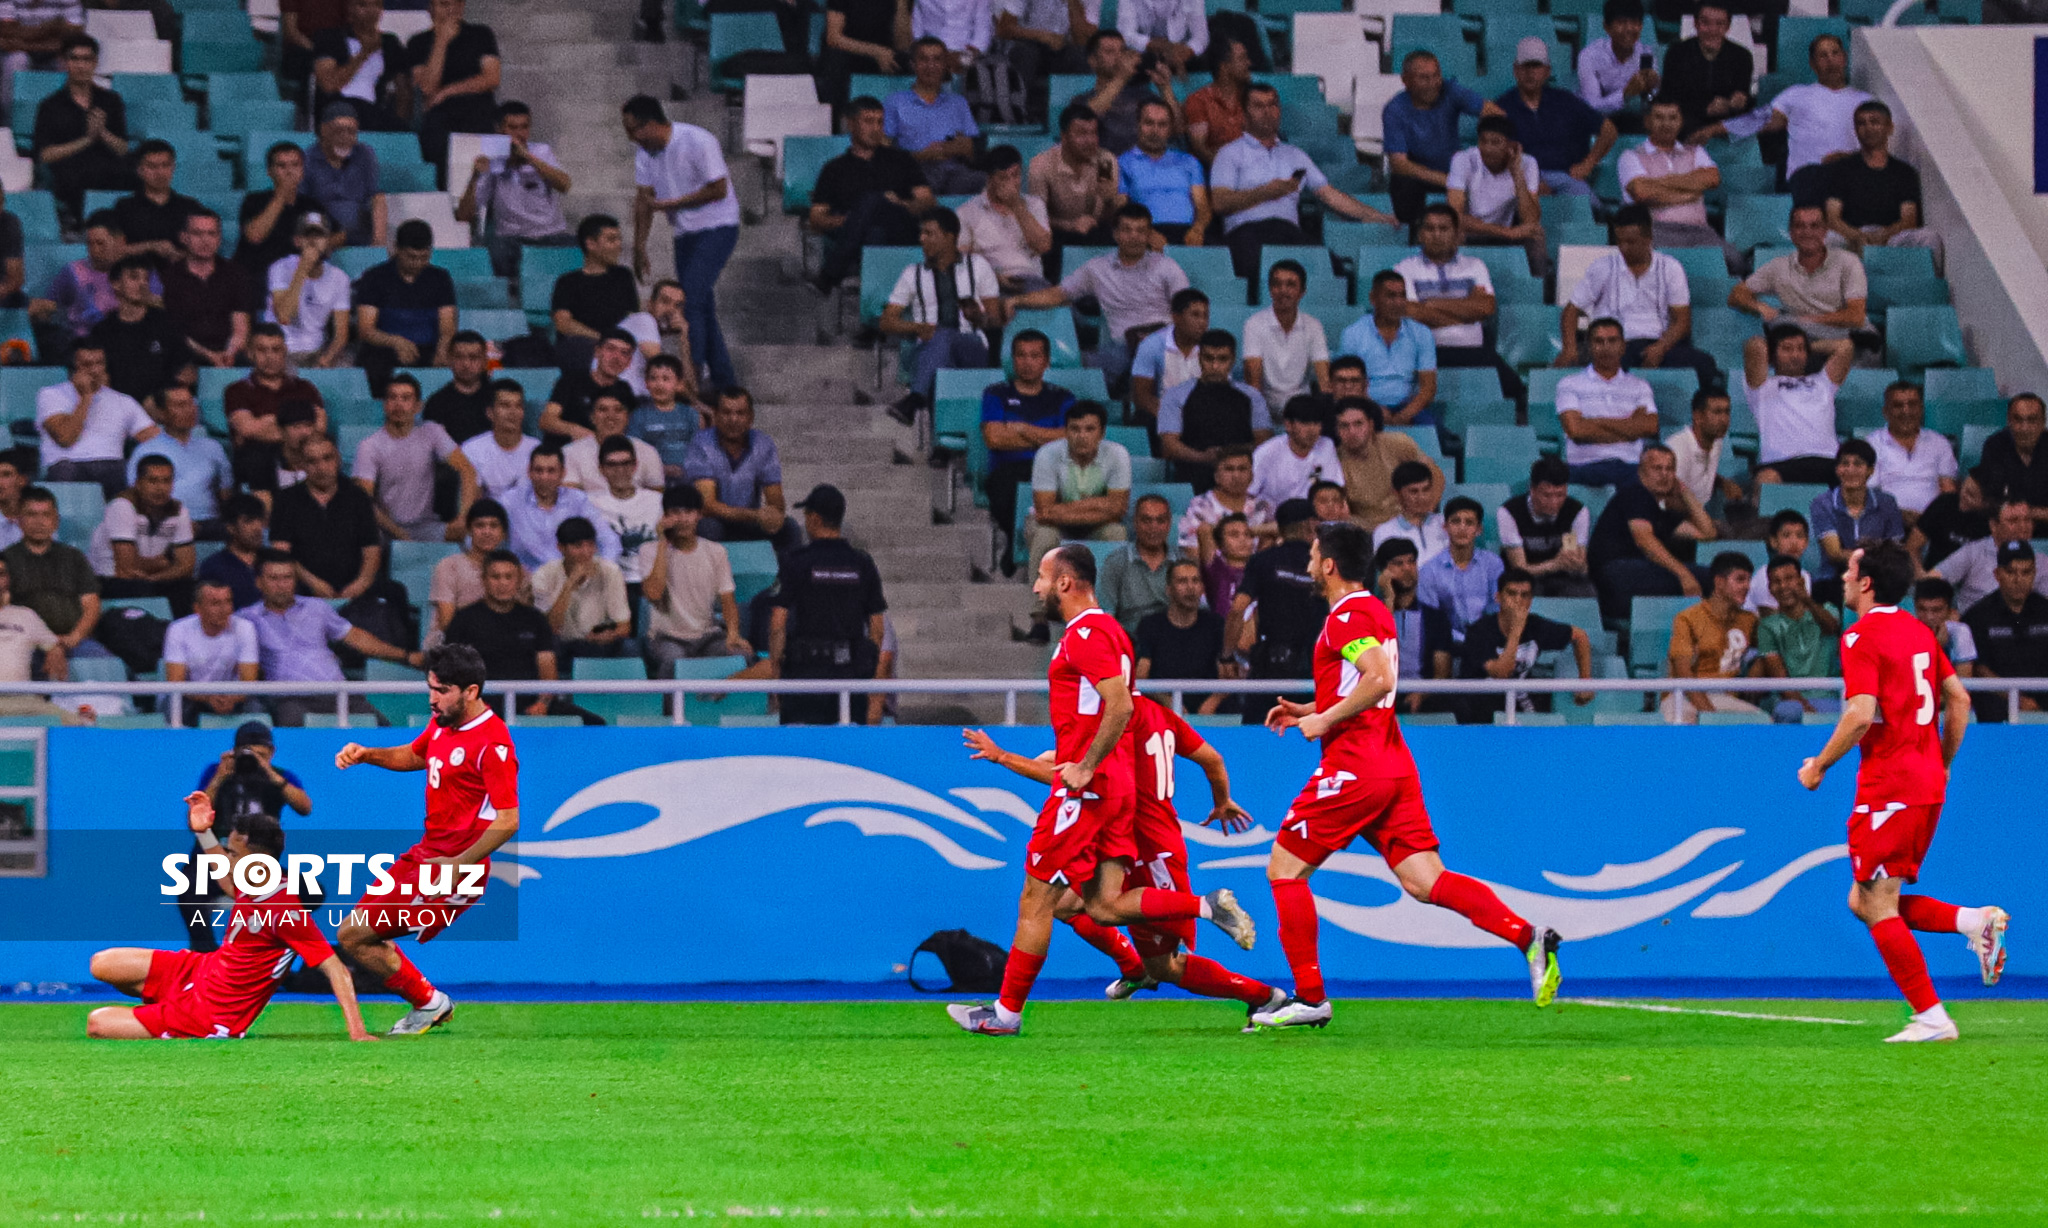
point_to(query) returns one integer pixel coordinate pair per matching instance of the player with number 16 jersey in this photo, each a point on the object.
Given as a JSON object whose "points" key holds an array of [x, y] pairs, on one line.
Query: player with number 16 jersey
{"points": [[1366, 787]]}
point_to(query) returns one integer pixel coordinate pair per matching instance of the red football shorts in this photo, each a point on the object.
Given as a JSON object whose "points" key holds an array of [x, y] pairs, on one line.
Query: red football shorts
{"points": [[172, 1009], [406, 910], [1889, 840], [1076, 833], [1336, 807]]}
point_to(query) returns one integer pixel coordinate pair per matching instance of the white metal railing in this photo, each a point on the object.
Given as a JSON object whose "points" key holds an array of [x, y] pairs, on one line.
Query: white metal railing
{"points": [[1008, 688]]}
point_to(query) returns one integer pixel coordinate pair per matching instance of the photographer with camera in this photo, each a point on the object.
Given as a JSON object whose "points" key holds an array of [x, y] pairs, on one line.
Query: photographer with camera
{"points": [[243, 783]]}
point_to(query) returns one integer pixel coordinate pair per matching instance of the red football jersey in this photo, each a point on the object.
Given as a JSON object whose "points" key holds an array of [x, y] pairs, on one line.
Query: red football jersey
{"points": [[1892, 655], [263, 935], [1157, 735], [1371, 741], [472, 774], [1094, 648]]}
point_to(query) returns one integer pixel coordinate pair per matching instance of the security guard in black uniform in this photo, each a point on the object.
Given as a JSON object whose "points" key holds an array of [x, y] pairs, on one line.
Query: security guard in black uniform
{"points": [[827, 621], [1281, 608]]}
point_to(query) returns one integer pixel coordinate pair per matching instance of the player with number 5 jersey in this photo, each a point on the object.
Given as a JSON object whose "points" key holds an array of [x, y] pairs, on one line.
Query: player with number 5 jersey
{"points": [[472, 808], [1084, 839], [1366, 787], [1896, 682]]}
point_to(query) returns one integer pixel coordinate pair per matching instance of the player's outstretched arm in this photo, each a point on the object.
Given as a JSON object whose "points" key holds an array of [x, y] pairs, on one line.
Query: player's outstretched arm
{"points": [[1859, 712], [344, 986], [390, 758], [984, 747], [502, 828], [1223, 813], [1955, 711]]}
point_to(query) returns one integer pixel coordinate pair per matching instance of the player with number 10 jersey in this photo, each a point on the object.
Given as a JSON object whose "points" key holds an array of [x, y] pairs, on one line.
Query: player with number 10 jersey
{"points": [[1366, 787]]}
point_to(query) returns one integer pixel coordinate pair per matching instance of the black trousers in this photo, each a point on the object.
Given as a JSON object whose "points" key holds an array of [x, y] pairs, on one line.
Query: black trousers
{"points": [[1681, 355], [1410, 195], [1246, 240], [873, 219]]}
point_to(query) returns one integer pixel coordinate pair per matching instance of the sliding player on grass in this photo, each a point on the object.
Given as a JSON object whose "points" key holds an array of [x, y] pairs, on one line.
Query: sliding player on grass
{"points": [[219, 994], [1164, 950], [1893, 671], [1366, 786], [472, 808], [1084, 838]]}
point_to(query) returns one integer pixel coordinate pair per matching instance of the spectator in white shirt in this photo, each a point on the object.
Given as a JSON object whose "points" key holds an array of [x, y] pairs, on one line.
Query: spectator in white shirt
{"points": [[583, 596], [1176, 31], [1006, 225], [212, 644], [662, 321], [85, 425], [1646, 291], [944, 318], [1673, 180], [1493, 187], [499, 457], [1256, 182], [609, 414], [964, 27], [1289, 465], [1914, 465], [1605, 413], [307, 295], [1698, 448], [1042, 37], [680, 170], [143, 545], [1170, 356], [1795, 410], [1452, 293], [1617, 70], [1286, 353], [1418, 520], [633, 510], [1818, 120], [689, 589]]}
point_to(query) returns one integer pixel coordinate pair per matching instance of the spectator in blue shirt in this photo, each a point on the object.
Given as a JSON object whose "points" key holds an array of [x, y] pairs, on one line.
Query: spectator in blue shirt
{"points": [[538, 506], [1399, 353], [294, 635], [1556, 127], [1257, 180], [738, 471], [934, 125], [1419, 128], [1461, 580], [1169, 182], [202, 474], [1852, 512], [1018, 418]]}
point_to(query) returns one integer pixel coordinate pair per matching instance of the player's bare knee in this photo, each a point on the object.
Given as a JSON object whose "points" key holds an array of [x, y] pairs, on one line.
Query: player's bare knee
{"points": [[103, 967], [103, 1024]]}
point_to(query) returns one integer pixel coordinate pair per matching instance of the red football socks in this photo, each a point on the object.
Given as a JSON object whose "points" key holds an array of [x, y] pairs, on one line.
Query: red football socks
{"points": [[1903, 960], [1213, 980], [1924, 912], [1020, 972], [1476, 902], [1156, 904], [1297, 907], [410, 983], [1111, 943]]}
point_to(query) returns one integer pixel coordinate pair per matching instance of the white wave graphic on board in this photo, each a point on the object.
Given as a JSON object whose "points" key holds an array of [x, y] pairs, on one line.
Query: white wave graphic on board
{"points": [[1613, 877], [694, 798], [1759, 893]]}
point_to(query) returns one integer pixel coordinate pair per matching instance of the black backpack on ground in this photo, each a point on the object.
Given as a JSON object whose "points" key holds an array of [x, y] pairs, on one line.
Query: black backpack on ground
{"points": [[973, 965]]}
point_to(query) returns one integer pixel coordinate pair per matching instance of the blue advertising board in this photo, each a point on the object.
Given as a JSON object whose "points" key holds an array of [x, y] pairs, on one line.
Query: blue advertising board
{"points": [[677, 856]]}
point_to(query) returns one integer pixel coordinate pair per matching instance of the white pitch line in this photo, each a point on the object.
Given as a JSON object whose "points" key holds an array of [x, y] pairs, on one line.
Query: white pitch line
{"points": [[1687, 1010]]}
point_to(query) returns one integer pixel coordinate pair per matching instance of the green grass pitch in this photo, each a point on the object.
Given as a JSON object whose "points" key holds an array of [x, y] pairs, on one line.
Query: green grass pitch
{"points": [[1438, 1112]]}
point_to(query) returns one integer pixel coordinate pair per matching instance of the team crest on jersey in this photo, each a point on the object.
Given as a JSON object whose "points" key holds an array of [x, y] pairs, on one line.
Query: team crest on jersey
{"points": [[455, 757]]}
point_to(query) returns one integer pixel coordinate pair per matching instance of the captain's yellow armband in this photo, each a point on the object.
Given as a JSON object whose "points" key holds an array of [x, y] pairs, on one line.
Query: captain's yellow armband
{"points": [[1358, 648]]}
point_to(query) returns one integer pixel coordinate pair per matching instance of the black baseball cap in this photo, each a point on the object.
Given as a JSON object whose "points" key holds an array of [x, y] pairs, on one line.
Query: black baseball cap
{"points": [[2015, 552], [253, 733], [1293, 511], [826, 500]]}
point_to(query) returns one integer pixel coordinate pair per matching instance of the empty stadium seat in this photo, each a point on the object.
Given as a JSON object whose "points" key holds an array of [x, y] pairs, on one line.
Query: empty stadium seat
{"points": [[612, 707], [1775, 497], [1859, 404], [538, 269], [1649, 632], [1920, 337]]}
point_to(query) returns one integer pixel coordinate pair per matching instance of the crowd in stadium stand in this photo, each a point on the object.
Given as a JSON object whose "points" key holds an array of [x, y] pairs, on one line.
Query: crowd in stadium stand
{"points": [[278, 449]]}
